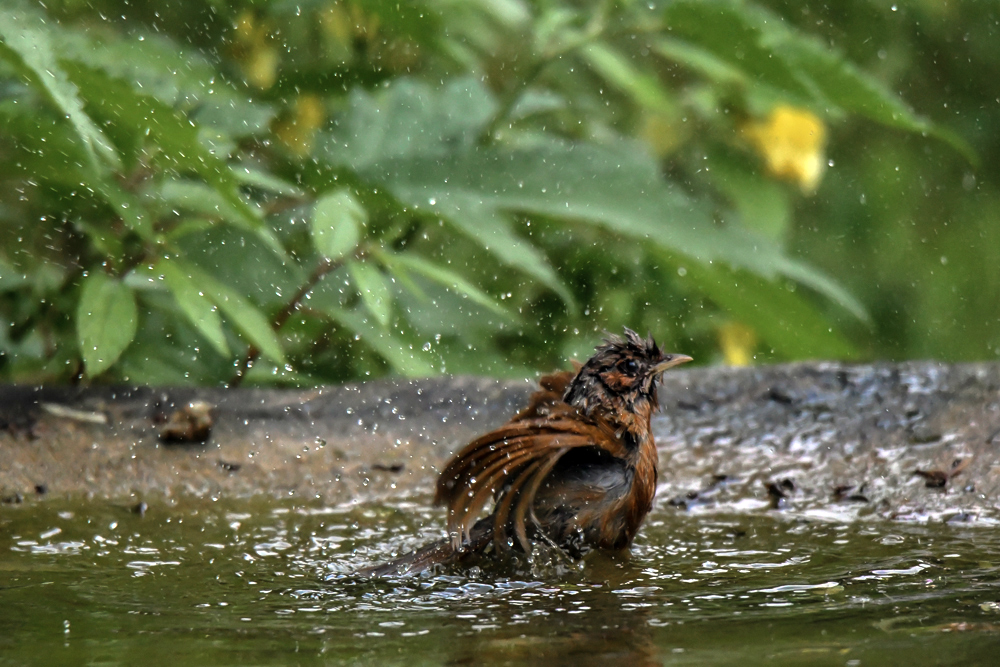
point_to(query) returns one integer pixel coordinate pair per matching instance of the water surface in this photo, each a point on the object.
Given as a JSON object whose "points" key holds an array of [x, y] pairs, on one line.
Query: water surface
{"points": [[262, 581]]}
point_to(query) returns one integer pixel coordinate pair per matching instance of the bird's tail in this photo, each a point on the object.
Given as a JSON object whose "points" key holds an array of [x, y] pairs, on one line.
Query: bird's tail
{"points": [[441, 552]]}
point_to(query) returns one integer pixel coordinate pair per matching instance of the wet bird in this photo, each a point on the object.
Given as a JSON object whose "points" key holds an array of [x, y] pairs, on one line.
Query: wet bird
{"points": [[576, 469]]}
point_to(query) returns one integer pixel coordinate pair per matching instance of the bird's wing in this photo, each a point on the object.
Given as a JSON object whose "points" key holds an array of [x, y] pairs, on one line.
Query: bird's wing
{"points": [[551, 389], [510, 463]]}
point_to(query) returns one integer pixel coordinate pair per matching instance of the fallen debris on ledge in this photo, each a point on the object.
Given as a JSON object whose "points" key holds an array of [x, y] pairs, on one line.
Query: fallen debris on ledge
{"points": [[913, 441]]}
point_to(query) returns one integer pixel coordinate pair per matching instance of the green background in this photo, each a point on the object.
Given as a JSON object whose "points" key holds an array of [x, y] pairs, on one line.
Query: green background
{"points": [[339, 190]]}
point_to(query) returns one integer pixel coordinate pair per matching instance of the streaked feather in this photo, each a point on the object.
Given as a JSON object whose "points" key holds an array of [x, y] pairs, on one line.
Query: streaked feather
{"points": [[598, 497]]}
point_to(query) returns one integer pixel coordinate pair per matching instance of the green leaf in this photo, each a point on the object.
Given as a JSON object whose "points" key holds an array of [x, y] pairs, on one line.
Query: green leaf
{"points": [[233, 116], [763, 204], [435, 311], [156, 64], [167, 349], [106, 319], [266, 374], [443, 276], [616, 186], [723, 29], [823, 284], [247, 318], [411, 119], [10, 278], [26, 45], [265, 181], [786, 321], [643, 87], [700, 60], [198, 197], [403, 356], [852, 90], [128, 207], [374, 291], [105, 240], [197, 307], [336, 224], [205, 200], [144, 118], [178, 77], [756, 41], [492, 229], [239, 259]]}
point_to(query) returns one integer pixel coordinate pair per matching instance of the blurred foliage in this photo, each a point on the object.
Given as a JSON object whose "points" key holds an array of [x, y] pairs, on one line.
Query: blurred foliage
{"points": [[309, 191]]}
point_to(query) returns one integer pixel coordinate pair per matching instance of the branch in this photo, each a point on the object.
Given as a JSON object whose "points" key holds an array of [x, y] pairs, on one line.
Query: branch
{"points": [[325, 267]]}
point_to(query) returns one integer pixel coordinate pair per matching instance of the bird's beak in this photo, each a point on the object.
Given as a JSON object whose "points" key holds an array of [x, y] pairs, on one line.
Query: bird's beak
{"points": [[671, 360]]}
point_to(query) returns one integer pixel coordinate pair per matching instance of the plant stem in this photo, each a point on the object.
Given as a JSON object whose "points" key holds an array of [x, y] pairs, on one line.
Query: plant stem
{"points": [[325, 267]]}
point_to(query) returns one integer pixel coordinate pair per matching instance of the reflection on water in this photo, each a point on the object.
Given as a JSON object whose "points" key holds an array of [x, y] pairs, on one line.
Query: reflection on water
{"points": [[260, 581]]}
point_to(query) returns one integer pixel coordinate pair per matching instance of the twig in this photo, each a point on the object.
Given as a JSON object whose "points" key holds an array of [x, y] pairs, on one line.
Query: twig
{"points": [[325, 267]]}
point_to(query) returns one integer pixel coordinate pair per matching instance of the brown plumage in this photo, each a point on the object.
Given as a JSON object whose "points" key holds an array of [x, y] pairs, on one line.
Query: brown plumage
{"points": [[576, 469]]}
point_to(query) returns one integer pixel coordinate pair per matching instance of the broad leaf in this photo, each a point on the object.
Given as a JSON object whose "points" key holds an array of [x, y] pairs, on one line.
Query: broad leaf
{"points": [[435, 311], [336, 224], [198, 197], [265, 181], [758, 42], [245, 316], [616, 186], [239, 259], [443, 276], [197, 307], [143, 117], [178, 77], [412, 119], [129, 208], [167, 349], [764, 205], [723, 29], [700, 60], [405, 358], [156, 64], [106, 318], [10, 278], [492, 229], [643, 87], [785, 320], [27, 46], [375, 293], [852, 90]]}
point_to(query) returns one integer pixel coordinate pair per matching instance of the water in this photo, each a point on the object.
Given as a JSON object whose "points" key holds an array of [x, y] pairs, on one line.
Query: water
{"points": [[262, 582]]}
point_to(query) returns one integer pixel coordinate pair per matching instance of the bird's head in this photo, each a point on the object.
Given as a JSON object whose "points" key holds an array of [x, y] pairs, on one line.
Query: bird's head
{"points": [[621, 375]]}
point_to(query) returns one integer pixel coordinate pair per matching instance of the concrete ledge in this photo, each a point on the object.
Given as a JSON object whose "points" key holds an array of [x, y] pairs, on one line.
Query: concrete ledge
{"points": [[918, 441]]}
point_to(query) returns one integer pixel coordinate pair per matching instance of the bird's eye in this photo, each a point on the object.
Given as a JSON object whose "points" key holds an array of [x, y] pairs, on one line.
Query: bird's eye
{"points": [[630, 366]]}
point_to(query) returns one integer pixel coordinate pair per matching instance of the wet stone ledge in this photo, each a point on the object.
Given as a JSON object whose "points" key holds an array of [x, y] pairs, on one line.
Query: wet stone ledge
{"points": [[915, 441]]}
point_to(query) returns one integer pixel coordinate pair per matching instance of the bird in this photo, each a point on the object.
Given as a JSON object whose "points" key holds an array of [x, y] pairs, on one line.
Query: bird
{"points": [[576, 469]]}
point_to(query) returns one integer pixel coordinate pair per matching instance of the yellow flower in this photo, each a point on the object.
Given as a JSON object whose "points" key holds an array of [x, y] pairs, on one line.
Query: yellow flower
{"points": [[737, 342], [252, 47], [297, 129], [792, 142], [337, 27], [336, 23]]}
